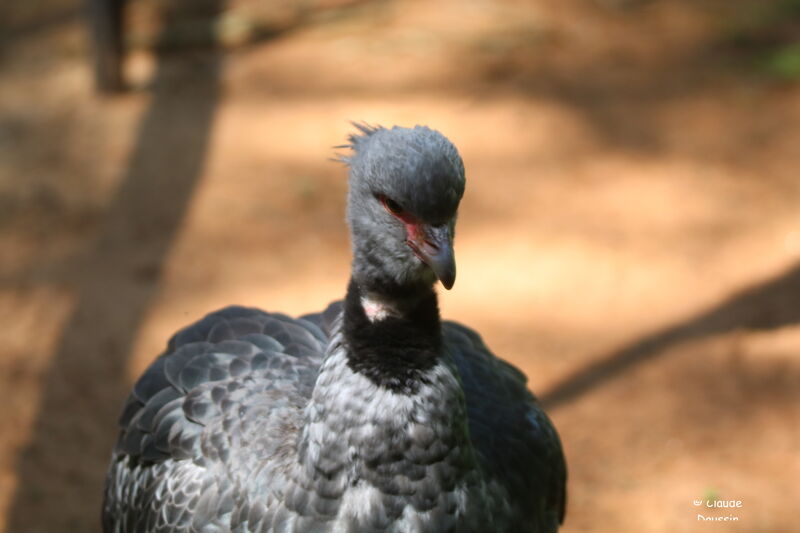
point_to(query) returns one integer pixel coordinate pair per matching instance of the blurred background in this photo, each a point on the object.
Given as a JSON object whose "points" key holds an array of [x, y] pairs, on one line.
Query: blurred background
{"points": [[630, 236]]}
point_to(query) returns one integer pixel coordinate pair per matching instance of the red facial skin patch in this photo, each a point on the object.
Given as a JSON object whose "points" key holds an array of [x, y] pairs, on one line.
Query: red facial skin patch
{"points": [[415, 231]]}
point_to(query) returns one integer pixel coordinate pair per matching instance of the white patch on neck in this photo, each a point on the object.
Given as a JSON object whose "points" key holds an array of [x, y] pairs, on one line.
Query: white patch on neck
{"points": [[377, 309]]}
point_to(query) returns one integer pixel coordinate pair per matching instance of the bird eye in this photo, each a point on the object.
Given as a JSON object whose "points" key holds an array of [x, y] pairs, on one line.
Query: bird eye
{"points": [[391, 206]]}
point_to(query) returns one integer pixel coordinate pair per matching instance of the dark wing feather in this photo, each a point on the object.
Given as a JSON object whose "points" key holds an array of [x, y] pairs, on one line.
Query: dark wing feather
{"points": [[163, 453], [324, 320], [515, 441]]}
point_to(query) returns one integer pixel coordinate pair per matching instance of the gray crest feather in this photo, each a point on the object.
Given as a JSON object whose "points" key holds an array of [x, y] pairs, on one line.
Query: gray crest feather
{"points": [[355, 140]]}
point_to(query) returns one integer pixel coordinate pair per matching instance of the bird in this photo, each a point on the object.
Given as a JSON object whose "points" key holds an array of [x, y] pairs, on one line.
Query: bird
{"points": [[373, 415]]}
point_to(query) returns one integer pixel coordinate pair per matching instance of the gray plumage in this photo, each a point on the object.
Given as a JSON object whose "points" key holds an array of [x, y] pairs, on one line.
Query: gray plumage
{"points": [[257, 422]]}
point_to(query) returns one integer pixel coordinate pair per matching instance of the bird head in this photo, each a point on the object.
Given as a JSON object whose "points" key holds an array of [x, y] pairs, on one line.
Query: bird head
{"points": [[405, 188]]}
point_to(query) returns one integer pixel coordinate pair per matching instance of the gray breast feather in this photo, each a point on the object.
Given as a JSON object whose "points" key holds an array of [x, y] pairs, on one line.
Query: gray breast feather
{"points": [[513, 437]]}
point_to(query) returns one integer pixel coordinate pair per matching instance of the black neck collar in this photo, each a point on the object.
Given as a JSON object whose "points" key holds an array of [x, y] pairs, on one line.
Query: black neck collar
{"points": [[396, 351]]}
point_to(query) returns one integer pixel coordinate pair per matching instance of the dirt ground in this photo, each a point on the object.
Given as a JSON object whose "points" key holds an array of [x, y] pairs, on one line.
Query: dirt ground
{"points": [[630, 236]]}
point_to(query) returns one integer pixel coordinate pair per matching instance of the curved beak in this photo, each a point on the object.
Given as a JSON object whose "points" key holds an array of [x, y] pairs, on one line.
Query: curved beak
{"points": [[434, 246]]}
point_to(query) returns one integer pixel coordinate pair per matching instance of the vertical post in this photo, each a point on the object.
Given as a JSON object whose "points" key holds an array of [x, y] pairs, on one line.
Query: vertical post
{"points": [[106, 35]]}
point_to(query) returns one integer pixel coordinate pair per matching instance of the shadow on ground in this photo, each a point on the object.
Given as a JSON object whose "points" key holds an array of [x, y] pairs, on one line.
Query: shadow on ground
{"points": [[769, 305], [64, 466]]}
